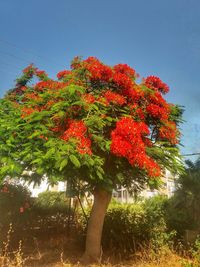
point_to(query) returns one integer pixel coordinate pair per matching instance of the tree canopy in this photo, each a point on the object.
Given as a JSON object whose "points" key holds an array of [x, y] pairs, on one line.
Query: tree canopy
{"points": [[95, 123]]}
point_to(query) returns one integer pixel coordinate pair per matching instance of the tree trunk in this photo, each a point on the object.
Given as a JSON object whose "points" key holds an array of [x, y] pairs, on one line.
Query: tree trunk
{"points": [[93, 251]]}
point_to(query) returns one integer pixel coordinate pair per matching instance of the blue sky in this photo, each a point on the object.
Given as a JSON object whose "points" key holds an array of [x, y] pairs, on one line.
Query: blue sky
{"points": [[155, 37]]}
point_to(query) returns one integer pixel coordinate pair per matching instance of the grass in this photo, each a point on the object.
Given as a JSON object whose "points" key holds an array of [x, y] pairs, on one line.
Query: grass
{"points": [[56, 253], [64, 251]]}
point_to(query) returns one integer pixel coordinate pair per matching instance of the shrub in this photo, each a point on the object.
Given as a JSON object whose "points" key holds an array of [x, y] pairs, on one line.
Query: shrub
{"points": [[129, 227], [15, 202], [124, 227], [178, 217], [51, 213], [157, 226], [52, 202]]}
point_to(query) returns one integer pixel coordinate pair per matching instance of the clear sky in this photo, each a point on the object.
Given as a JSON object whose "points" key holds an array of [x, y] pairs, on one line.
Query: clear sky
{"points": [[155, 37]]}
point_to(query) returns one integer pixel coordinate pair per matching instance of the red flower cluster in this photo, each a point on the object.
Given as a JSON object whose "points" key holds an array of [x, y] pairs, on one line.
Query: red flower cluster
{"points": [[123, 81], [89, 98], [76, 63], [155, 83], [98, 71], [115, 98], [78, 130], [41, 74], [29, 69], [33, 96], [23, 88], [156, 98], [62, 74], [157, 112], [127, 141], [49, 85], [5, 189], [137, 112], [111, 86], [169, 132], [124, 69], [27, 111]]}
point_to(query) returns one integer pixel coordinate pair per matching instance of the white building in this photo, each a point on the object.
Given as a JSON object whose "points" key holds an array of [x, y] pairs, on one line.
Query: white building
{"points": [[168, 187], [121, 194]]}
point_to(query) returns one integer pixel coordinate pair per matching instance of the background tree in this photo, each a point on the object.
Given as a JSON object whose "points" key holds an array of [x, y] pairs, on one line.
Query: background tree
{"points": [[95, 125], [184, 207]]}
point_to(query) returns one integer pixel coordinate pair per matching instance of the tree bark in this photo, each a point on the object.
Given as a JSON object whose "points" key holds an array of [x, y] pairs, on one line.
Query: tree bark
{"points": [[93, 251]]}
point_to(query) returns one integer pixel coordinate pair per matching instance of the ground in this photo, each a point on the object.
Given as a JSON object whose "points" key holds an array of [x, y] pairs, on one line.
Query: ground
{"points": [[65, 252]]}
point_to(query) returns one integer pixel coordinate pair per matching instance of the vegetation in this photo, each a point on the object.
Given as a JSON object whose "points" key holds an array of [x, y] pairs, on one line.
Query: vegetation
{"points": [[184, 206], [139, 233], [96, 127]]}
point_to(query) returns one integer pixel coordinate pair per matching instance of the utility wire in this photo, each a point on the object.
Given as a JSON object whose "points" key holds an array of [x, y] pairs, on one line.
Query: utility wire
{"points": [[191, 154], [10, 64], [12, 72], [19, 58], [27, 51], [22, 48]]}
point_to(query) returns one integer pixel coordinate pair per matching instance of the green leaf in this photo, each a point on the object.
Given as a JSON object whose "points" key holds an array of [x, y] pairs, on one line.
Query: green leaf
{"points": [[39, 160], [99, 175], [63, 164], [75, 161]]}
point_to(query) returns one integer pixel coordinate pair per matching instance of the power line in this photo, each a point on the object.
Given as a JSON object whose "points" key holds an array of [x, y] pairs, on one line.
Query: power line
{"points": [[10, 65], [191, 154], [27, 51], [22, 48], [19, 58]]}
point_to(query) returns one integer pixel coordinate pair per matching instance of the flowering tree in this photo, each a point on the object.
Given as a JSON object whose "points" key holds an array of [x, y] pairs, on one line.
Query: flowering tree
{"points": [[94, 124]]}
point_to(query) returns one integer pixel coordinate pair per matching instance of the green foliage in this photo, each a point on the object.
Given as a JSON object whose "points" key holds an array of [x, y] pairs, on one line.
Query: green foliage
{"points": [[15, 203], [49, 202], [49, 213], [129, 227], [194, 254], [183, 208], [30, 147]]}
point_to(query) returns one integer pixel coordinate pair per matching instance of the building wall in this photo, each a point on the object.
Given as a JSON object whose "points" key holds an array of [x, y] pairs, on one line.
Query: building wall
{"points": [[121, 194]]}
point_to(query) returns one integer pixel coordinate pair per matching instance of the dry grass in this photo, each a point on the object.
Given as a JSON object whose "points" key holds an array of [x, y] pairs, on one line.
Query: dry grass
{"points": [[48, 260], [65, 252]]}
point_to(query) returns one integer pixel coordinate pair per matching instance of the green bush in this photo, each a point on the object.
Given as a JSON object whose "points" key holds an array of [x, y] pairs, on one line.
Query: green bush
{"points": [[124, 227], [157, 227], [129, 227], [15, 200], [178, 217], [50, 213], [50, 202], [15, 203]]}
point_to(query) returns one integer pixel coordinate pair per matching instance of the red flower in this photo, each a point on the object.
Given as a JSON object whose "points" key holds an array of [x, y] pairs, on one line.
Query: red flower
{"points": [[115, 98], [27, 111], [21, 209], [123, 81], [98, 71], [40, 74], [155, 83], [157, 112], [127, 141], [169, 132], [55, 85], [78, 130], [89, 98], [137, 112], [29, 70], [63, 74], [124, 69]]}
